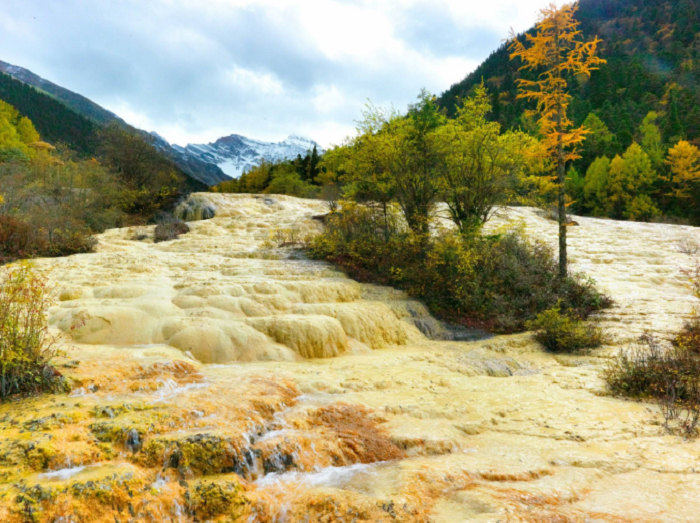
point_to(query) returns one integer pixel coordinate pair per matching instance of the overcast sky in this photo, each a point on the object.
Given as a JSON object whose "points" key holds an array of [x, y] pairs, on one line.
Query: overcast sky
{"points": [[196, 70]]}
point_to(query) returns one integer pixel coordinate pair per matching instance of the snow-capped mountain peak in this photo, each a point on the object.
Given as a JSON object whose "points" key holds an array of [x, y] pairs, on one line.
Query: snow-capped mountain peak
{"points": [[235, 154]]}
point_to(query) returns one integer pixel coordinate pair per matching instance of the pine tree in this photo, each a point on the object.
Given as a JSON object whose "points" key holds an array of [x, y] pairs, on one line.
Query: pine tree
{"points": [[673, 129], [313, 165], [557, 51], [496, 106], [598, 142]]}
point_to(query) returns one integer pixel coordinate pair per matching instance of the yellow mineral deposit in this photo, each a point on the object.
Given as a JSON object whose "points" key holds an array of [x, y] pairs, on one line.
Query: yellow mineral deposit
{"points": [[221, 378]]}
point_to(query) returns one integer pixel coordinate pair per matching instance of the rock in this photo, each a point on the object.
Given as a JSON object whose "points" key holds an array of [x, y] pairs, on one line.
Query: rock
{"points": [[195, 209], [133, 440]]}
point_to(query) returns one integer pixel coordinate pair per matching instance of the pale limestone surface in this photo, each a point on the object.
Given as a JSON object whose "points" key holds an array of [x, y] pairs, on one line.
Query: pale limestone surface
{"points": [[495, 430], [639, 264]]}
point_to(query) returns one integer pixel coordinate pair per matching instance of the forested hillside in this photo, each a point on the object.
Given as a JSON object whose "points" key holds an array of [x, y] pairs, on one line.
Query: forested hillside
{"points": [[648, 92], [53, 119], [653, 54]]}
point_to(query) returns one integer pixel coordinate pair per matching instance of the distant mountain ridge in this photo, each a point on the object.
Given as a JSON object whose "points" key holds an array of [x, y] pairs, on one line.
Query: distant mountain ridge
{"points": [[80, 118], [235, 154]]}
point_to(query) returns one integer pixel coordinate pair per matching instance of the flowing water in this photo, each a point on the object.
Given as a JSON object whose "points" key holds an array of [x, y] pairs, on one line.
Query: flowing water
{"points": [[220, 378]]}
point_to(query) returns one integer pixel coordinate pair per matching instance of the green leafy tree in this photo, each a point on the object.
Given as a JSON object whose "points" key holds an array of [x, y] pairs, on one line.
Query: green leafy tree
{"points": [[9, 138], [477, 164], [415, 167], [27, 132], [398, 150], [286, 180], [8, 112], [596, 186], [575, 184], [652, 142], [629, 183], [15, 134], [366, 159]]}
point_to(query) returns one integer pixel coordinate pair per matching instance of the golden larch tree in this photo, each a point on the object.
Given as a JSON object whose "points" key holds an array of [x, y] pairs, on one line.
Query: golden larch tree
{"points": [[556, 52], [684, 166]]}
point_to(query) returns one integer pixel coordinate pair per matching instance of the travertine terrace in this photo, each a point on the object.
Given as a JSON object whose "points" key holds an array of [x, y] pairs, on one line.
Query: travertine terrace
{"points": [[219, 377]]}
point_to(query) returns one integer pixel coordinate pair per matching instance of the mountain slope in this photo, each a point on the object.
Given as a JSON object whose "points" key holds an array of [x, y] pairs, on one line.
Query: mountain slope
{"points": [[55, 121], [75, 101], [235, 154], [61, 115], [653, 53], [58, 123]]}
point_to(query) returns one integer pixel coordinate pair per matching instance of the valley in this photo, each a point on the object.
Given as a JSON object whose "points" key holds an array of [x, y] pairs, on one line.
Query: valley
{"points": [[219, 377]]}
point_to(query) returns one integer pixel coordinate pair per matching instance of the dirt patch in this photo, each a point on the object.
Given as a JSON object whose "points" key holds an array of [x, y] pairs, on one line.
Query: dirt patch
{"points": [[358, 435]]}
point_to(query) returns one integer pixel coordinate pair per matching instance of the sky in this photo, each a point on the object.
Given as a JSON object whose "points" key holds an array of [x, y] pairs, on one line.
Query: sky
{"points": [[197, 70]]}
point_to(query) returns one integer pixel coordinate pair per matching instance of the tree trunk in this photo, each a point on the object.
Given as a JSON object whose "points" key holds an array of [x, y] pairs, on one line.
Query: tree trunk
{"points": [[561, 176], [561, 171], [386, 222]]}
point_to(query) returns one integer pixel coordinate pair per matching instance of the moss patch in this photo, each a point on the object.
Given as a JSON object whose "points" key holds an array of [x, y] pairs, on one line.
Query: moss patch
{"points": [[220, 499]]}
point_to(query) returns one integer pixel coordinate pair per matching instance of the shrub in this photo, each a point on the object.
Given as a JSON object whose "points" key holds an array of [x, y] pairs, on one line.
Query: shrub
{"points": [[689, 336], [566, 332], [518, 278], [14, 238], [31, 238], [638, 372], [688, 245], [285, 237], [497, 283], [25, 347], [57, 205], [667, 373], [170, 230]]}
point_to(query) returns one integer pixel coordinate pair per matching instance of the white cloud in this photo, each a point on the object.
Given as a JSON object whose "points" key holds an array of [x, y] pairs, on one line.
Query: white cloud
{"points": [[195, 70], [262, 83], [328, 98]]}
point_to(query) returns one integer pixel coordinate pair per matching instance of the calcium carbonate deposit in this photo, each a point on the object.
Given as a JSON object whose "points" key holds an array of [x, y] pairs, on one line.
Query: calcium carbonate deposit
{"points": [[221, 377]]}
